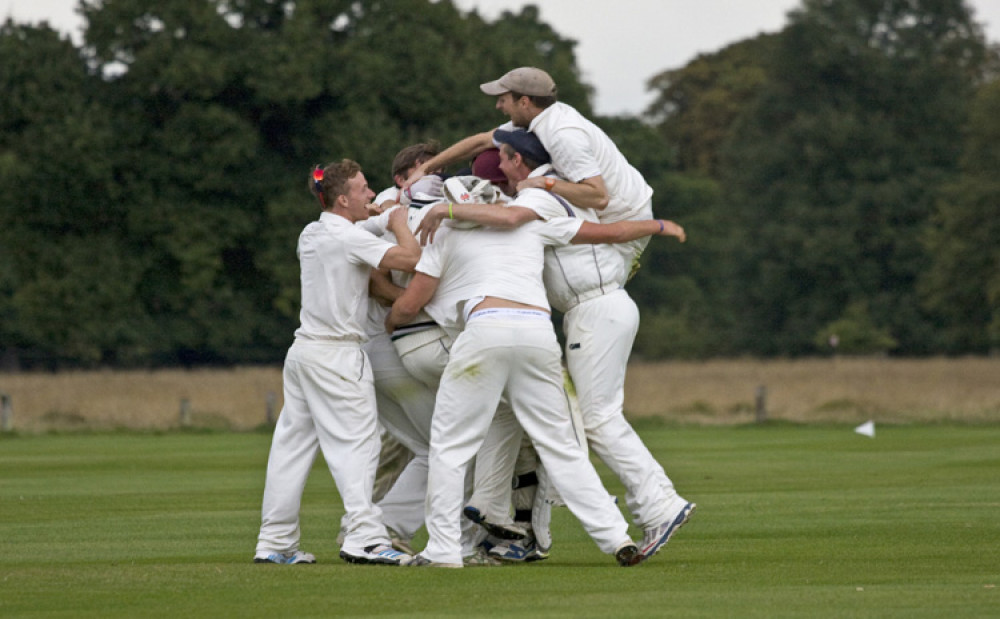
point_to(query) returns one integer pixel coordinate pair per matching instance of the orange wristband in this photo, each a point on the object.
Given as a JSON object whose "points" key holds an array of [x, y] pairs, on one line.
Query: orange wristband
{"points": [[549, 183]]}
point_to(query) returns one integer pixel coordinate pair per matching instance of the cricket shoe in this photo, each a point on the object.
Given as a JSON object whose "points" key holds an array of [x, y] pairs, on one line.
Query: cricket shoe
{"points": [[628, 554], [378, 554], [288, 558], [481, 558], [515, 551], [399, 542], [420, 560], [503, 531], [656, 537]]}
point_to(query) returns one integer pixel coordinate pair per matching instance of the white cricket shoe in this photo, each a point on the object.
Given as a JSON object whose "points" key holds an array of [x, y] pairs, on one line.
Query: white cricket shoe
{"points": [[378, 554], [656, 537], [289, 558]]}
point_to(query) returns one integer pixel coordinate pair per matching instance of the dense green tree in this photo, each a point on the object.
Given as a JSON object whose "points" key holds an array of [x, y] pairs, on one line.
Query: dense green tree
{"points": [[190, 128], [696, 105], [67, 287], [962, 286], [833, 173]]}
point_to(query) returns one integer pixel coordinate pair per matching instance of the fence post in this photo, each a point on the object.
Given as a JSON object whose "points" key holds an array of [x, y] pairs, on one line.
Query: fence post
{"points": [[185, 413], [272, 401], [760, 403], [6, 413]]}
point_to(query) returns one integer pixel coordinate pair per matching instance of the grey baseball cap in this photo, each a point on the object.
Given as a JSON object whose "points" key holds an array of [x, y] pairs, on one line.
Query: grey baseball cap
{"points": [[523, 80]]}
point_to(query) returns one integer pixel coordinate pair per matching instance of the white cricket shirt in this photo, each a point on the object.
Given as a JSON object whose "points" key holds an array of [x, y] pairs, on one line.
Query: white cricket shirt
{"points": [[335, 258], [573, 273], [487, 262], [581, 150]]}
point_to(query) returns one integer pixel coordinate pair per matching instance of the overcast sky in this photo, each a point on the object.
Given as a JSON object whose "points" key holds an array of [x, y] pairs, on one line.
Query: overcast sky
{"points": [[621, 43]]}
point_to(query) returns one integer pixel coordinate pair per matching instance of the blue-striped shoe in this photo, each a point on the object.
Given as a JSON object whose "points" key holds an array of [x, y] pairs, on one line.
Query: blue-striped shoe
{"points": [[378, 554], [515, 551], [289, 558], [656, 537]]}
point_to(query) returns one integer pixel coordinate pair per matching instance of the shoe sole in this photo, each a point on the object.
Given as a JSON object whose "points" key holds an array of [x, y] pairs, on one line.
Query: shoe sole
{"points": [[496, 530], [629, 556], [425, 563], [679, 522], [531, 558], [366, 561]]}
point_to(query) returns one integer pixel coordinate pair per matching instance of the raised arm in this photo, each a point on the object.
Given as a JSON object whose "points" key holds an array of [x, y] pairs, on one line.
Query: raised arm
{"points": [[493, 215], [588, 193], [625, 231], [464, 149]]}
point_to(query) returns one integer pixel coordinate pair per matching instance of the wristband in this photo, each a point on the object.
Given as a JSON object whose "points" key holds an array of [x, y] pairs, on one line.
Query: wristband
{"points": [[549, 183], [452, 215], [661, 226]]}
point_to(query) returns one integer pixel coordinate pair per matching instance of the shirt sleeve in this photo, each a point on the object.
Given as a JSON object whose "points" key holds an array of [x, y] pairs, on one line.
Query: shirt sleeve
{"points": [[572, 155], [560, 230], [542, 202], [430, 256], [363, 247]]}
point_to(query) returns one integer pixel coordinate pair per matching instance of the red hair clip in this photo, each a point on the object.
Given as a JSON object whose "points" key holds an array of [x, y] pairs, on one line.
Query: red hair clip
{"points": [[317, 180]]}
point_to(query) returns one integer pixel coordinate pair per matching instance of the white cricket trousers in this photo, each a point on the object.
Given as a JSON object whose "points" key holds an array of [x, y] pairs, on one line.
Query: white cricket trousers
{"points": [[599, 335], [405, 406], [494, 355], [329, 406]]}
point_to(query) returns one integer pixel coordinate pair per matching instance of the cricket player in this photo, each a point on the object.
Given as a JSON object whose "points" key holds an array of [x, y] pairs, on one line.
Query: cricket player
{"points": [[329, 396], [593, 173], [508, 348], [600, 323]]}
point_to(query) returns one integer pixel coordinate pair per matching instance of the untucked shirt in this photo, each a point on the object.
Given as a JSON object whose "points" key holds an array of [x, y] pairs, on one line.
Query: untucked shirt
{"points": [[489, 262]]}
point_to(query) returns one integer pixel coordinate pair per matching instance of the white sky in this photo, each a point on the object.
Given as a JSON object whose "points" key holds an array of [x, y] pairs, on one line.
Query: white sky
{"points": [[621, 43]]}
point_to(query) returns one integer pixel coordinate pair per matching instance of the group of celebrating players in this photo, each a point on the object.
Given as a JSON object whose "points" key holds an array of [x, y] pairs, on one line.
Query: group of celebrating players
{"points": [[426, 326]]}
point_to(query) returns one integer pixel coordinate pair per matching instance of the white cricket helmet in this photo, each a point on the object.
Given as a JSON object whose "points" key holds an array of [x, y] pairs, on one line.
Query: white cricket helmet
{"points": [[470, 190]]}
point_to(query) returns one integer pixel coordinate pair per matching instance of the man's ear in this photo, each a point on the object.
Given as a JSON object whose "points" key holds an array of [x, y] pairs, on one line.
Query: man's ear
{"points": [[341, 201], [399, 179]]}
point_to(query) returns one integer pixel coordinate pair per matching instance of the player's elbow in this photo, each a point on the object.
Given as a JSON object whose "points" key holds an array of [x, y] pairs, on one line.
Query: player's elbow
{"points": [[401, 259]]}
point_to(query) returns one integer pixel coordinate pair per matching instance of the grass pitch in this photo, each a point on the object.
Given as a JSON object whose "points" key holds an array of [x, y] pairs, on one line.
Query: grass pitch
{"points": [[791, 521]]}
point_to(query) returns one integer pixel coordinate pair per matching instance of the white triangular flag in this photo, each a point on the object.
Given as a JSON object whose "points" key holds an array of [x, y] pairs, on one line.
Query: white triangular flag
{"points": [[866, 429]]}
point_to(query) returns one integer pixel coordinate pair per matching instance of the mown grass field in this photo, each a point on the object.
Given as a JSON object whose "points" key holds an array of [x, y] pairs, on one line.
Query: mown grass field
{"points": [[793, 521]]}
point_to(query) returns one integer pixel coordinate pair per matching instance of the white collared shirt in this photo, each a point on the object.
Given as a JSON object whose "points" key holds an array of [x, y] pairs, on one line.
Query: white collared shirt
{"points": [[581, 150], [573, 273], [335, 258], [487, 262]]}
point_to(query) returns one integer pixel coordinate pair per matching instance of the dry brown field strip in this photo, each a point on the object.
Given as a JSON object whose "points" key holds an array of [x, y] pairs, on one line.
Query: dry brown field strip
{"points": [[710, 392]]}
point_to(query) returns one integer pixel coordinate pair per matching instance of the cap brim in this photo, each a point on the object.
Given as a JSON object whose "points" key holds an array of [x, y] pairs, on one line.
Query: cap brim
{"points": [[493, 88]]}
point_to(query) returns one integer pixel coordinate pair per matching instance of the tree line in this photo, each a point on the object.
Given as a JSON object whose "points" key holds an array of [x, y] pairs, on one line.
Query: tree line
{"points": [[838, 179]]}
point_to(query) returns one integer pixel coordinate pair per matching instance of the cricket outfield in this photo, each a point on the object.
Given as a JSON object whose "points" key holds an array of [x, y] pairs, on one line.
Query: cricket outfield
{"points": [[792, 520]]}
